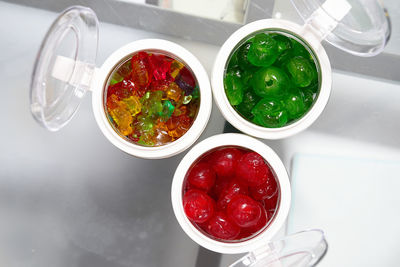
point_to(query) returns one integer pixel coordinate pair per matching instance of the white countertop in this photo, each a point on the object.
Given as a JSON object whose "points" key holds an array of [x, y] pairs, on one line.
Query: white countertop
{"points": [[72, 199]]}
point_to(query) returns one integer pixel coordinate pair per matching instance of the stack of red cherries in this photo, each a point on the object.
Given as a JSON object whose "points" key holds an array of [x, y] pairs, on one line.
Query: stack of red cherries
{"points": [[230, 193]]}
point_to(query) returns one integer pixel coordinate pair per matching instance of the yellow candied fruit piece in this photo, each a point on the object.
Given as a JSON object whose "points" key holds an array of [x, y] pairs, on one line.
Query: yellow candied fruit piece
{"points": [[133, 104], [174, 92], [122, 118], [176, 66]]}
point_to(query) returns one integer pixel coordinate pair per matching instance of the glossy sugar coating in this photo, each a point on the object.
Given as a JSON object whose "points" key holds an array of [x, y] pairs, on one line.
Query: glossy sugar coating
{"points": [[152, 99], [230, 194], [271, 79]]}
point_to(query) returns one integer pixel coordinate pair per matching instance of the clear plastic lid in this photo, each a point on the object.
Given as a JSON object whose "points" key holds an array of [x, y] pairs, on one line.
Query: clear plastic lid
{"points": [[57, 92], [305, 248], [359, 27]]}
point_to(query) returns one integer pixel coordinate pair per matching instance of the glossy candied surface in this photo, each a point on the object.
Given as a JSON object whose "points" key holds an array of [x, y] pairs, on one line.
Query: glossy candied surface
{"points": [[230, 194], [151, 98], [271, 79]]}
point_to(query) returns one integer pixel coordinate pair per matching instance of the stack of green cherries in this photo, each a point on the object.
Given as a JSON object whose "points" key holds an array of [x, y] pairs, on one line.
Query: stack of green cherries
{"points": [[271, 79]]}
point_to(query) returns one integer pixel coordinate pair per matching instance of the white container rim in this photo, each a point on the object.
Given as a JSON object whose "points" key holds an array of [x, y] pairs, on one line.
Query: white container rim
{"points": [[217, 79], [199, 123], [231, 139]]}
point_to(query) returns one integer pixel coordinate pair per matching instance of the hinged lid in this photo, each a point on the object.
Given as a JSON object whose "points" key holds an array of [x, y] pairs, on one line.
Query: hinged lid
{"points": [[359, 27], [72, 36], [300, 249]]}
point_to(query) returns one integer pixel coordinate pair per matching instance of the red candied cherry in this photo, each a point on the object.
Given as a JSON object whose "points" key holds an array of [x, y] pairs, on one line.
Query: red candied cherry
{"points": [[266, 190], [246, 232], [198, 206], [220, 226], [271, 205], [235, 187], [252, 169], [202, 176], [244, 211], [220, 185], [224, 161]]}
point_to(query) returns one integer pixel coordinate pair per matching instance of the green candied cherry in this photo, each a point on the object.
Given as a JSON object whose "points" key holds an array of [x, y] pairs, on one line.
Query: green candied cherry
{"points": [[263, 51], [313, 86], [234, 60], [283, 42], [234, 87], [250, 99], [294, 103], [295, 49], [283, 57], [299, 50], [308, 97], [242, 55], [270, 112], [246, 77], [271, 81], [301, 71]]}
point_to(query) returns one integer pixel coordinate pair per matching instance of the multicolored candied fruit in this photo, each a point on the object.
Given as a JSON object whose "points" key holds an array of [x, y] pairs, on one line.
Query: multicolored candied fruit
{"points": [[152, 99], [230, 194], [271, 79]]}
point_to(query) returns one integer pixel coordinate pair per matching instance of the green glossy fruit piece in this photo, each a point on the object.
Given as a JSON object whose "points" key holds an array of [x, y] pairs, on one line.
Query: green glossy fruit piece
{"points": [[244, 75], [301, 71], [282, 58], [270, 112], [250, 99], [242, 52], [196, 92], [299, 50], [167, 110], [295, 49], [234, 87], [263, 51], [233, 60], [314, 86], [283, 42], [271, 81], [294, 103], [308, 97]]}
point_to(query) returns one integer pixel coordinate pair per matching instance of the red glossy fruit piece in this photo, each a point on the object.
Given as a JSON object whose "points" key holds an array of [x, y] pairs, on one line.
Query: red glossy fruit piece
{"points": [[235, 187], [244, 211], [271, 203], [198, 206], [202, 176], [246, 232], [140, 69], [160, 66], [123, 89], [266, 190], [224, 161], [220, 226], [161, 85], [252, 169], [220, 185]]}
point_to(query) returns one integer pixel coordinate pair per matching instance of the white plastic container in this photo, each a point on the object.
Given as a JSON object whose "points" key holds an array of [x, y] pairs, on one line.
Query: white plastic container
{"points": [[360, 28], [65, 70], [259, 246]]}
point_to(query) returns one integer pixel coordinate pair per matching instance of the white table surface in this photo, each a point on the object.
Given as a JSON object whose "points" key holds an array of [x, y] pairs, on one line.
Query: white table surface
{"points": [[72, 199]]}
